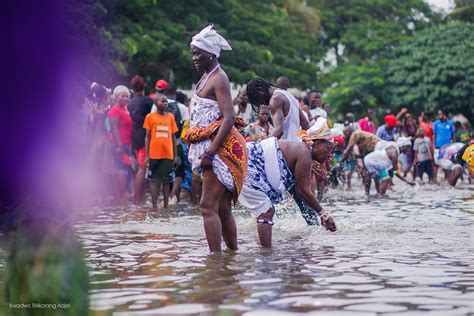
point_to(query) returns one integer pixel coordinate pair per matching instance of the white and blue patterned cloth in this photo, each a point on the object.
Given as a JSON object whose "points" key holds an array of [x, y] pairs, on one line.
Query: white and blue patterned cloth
{"points": [[204, 112], [268, 176]]}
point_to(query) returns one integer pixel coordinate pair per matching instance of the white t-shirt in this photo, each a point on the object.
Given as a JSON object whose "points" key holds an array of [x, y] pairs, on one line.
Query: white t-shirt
{"points": [[422, 148]]}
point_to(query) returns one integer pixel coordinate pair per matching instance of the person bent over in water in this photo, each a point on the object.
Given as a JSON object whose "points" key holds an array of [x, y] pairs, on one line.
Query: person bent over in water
{"points": [[275, 166], [452, 157], [377, 164]]}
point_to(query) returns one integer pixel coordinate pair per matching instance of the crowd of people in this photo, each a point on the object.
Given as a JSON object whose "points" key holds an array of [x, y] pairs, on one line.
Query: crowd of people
{"points": [[213, 149]]}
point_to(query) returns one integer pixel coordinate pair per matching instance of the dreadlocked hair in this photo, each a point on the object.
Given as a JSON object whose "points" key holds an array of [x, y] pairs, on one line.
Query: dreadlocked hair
{"points": [[256, 97]]}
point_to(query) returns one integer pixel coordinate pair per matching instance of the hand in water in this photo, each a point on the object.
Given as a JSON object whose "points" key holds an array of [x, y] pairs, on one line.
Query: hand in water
{"points": [[329, 223]]}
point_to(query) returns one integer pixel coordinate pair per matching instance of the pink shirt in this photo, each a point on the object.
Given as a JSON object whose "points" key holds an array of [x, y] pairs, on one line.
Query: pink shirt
{"points": [[366, 125]]}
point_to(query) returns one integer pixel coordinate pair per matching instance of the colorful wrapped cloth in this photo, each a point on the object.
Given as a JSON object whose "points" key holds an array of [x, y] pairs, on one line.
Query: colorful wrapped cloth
{"points": [[232, 152], [320, 130]]}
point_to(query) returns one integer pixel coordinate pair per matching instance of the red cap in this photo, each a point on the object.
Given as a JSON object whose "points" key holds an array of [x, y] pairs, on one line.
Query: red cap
{"points": [[390, 120], [161, 85], [339, 140]]}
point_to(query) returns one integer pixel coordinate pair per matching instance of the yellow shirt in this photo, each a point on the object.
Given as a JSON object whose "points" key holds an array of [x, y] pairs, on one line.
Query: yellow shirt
{"points": [[468, 157]]}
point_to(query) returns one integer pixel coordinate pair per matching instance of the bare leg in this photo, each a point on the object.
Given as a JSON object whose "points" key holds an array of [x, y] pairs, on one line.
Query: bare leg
{"points": [[139, 185], [196, 190], [265, 230], [212, 191], [154, 193], [455, 175], [229, 229], [122, 187], [349, 177], [176, 188], [383, 186], [367, 181], [166, 194], [377, 186]]}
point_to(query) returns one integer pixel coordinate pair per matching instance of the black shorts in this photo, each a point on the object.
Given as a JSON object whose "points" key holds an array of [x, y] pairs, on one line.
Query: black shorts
{"points": [[161, 170], [424, 167]]}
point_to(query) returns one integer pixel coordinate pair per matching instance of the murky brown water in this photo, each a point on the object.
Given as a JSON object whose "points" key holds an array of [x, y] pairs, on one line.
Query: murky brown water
{"points": [[409, 254]]}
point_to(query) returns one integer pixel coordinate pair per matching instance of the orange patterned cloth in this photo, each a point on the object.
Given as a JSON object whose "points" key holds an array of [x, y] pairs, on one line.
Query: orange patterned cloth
{"points": [[233, 151]]}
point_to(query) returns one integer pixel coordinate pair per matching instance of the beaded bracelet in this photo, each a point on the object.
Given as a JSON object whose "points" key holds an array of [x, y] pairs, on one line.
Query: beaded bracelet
{"points": [[208, 156], [324, 215]]}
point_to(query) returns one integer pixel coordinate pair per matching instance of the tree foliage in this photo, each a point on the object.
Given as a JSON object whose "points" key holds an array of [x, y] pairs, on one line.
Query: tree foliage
{"points": [[269, 38], [362, 35], [435, 70]]}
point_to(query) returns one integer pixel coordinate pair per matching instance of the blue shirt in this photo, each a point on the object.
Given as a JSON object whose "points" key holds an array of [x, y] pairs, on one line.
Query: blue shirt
{"points": [[443, 132], [384, 135]]}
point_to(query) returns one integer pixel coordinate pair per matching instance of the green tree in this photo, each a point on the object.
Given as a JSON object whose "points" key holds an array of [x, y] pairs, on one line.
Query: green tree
{"points": [[269, 38], [362, 36], [435, 70], [463, 11]]}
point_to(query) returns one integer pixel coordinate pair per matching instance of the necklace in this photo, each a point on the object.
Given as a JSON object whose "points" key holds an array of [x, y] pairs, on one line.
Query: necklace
{"points": [[203, 79]]}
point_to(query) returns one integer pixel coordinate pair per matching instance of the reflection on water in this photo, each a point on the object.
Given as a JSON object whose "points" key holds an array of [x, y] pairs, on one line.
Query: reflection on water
{"points": [[410, 253]]}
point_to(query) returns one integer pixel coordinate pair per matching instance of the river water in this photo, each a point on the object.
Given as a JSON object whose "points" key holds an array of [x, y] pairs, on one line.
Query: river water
{"points": [[411, 253]]}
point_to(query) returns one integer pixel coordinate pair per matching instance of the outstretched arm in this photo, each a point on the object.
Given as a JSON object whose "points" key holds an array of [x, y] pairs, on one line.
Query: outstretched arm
{"points": [[394, 158]]}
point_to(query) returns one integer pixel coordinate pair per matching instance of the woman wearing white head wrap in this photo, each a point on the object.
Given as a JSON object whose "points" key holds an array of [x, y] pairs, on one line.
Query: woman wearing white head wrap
{"points": [[216, 148], [210, 41]]}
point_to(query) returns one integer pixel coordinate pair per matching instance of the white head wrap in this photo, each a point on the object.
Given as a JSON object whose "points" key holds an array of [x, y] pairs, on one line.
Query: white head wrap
{"points": [[403, 141], [120, 89], [210, 41]]}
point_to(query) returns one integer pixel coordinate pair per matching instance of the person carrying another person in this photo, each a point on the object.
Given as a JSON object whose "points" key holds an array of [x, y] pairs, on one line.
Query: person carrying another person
{"points": [[160, 143], [261, 129], [216, 148], [276, 166], [379, 163], [286, 114]]}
